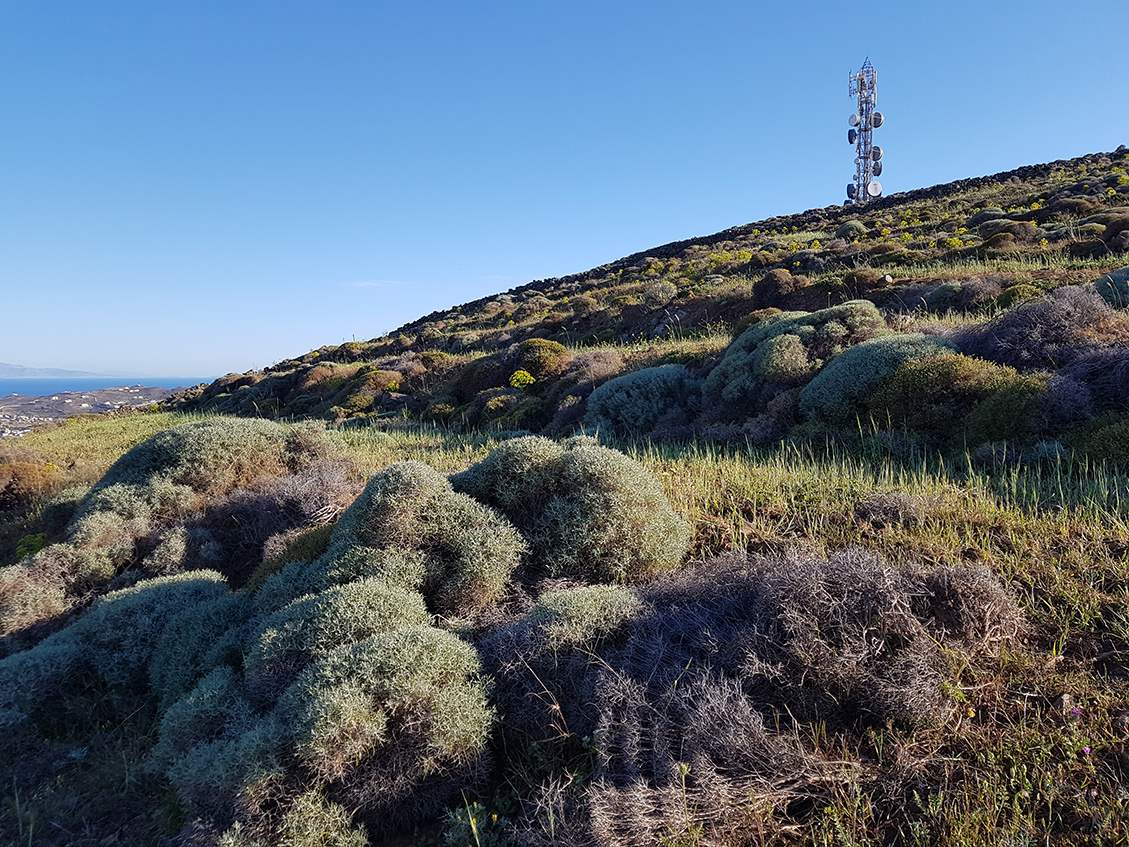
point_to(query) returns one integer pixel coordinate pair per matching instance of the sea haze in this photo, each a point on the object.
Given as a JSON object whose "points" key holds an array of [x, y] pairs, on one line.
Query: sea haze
{"points": [[34, 387]]}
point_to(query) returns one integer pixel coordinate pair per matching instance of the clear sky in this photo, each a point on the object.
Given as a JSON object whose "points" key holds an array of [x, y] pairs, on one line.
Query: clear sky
{"points": [[193, 188]]}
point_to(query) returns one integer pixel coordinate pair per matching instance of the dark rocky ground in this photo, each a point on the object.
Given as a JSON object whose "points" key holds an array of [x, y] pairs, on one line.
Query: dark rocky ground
{"points": [[18, 413]]}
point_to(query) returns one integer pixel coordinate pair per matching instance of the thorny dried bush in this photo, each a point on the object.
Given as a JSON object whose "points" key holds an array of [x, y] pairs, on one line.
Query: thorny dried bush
{"points": [[700, 705], [1044, 333]]}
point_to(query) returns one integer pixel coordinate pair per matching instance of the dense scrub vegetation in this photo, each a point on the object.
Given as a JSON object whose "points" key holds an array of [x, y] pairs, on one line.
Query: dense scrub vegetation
{"points": [[810, 532]]}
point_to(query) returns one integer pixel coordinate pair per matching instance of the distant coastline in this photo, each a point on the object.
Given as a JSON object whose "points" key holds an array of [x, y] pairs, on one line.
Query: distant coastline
{"points": [[44, 387]]}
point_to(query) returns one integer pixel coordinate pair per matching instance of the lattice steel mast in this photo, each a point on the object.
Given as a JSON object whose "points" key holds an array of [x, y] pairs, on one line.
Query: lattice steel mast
{"points": [[868, 156]]}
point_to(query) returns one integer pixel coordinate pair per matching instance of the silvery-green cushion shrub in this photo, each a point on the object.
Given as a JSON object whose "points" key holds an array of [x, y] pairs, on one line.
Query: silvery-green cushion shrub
{"points": [[588, 511], [634, 403], [469, 550], [786, 350], [837, 392]]}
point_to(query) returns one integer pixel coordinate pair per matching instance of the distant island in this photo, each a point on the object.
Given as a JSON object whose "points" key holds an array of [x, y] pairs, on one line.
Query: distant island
{"points": [[10, 371]]}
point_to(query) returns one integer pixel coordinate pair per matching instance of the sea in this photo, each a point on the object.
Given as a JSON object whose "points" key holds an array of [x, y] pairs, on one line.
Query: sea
{"points": [[34, 387]]}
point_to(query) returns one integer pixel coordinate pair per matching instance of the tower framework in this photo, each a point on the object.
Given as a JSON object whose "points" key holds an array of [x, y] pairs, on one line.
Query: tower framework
{"points": [[868, 156]]}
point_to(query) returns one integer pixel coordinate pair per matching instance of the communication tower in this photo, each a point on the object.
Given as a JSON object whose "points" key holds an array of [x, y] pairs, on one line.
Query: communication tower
{"points": [[868, 156]]}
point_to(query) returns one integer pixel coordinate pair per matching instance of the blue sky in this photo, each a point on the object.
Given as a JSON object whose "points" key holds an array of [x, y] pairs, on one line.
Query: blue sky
{"points": [[198, 188]]}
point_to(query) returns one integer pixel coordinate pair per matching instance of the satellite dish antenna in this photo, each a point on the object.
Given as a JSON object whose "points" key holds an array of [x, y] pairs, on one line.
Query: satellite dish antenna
{"points": [[866, 118], [851, 190]]}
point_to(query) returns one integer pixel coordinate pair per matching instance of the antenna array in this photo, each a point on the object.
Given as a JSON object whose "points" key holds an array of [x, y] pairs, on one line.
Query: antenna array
{"points": [[868, 156]]}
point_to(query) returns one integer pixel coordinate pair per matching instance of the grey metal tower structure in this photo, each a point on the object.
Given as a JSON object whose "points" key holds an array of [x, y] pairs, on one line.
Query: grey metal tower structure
{"points": [[868, 156]]}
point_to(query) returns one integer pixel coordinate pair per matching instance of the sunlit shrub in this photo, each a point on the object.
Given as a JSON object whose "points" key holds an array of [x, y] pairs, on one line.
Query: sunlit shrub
{"points": [[470, 550], [587, 511], [659, 294], [412, 701], [935, 395], [312, 626], [837, 392], [540, 357], [762, 355]]}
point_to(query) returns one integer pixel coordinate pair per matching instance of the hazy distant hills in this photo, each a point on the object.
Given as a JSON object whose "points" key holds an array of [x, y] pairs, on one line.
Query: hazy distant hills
{"points": [[10, 371]]}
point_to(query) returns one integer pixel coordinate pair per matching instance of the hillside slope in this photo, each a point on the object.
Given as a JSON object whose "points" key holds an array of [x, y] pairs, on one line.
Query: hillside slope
{"points": [[941, 261]]}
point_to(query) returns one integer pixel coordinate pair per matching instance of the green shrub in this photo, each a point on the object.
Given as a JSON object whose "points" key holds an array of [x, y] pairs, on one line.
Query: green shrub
{"points": [[1114, 288], [837, 392], [1005, 414], [470, 550], [215, 709], [944, 297], [195, 641], [587, 511], [1104, 439], [851, 230], [313, 821], [541, 358], [120, 632], [31, 680], [214, 456], [312, 626], [584, 616], [762, 355], [402, 568], [427, 679], [1017, 294], [634, 403], [933, 396]]}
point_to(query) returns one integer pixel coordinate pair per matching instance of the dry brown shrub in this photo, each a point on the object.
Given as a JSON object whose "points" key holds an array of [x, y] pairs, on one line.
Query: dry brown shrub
{"points": [[21, 483]]}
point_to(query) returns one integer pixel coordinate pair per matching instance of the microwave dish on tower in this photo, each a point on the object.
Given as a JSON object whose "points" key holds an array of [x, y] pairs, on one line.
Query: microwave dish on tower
{"points": [[864, 87]]}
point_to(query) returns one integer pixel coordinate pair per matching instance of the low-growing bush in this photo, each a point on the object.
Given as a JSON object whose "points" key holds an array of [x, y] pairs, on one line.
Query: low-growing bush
{"points": [[1104, 439], [22, 483], [933, 396], [539, 357], [390, 715], [1105, 372], [771, 289], [1114, 288], [851, 230], [470, 551], [120, 632], [195, 641], [1017, 294], [587, 511], [311, 626], [838, 391], [787, 349], [659, 294], [677, 700], [635, 403]]}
